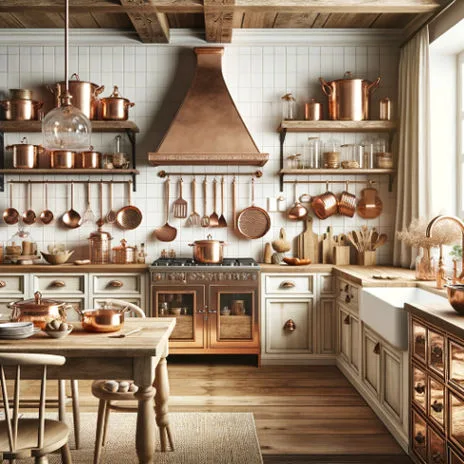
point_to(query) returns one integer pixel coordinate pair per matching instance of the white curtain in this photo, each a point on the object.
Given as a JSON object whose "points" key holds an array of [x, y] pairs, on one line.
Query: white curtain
{"points": [[414, 174]]}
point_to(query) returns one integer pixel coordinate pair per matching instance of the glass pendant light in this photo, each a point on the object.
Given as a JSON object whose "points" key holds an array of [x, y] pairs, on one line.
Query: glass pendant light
{"points": [[66, 127]]}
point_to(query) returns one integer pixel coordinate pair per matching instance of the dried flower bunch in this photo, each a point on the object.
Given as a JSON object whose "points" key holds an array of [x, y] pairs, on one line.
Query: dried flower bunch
{"points": [[444, 233]]}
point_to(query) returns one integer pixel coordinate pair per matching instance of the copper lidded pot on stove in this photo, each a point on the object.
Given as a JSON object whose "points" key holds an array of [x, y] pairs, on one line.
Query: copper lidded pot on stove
{"points": [[40, 311], [208, 251], [115, 107], [348, 98]]}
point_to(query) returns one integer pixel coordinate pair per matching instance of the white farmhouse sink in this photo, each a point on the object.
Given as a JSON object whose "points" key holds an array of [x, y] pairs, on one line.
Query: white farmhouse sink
{"points": [[382, 308]]}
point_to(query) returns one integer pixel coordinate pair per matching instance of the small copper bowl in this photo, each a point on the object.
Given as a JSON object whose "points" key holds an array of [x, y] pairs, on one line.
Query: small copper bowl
{"points": [[456, 297]]}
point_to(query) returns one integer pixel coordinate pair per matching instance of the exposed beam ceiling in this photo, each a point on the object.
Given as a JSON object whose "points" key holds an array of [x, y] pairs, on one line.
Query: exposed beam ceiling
{"points": [[219, 16]]}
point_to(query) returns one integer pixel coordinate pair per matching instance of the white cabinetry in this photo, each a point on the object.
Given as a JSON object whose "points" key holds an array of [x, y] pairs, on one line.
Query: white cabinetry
{"points": [[298, 319]]}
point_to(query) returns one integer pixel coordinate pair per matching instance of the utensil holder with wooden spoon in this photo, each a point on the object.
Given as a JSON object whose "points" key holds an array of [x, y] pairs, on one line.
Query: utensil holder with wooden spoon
{"points": [[366, 258]]}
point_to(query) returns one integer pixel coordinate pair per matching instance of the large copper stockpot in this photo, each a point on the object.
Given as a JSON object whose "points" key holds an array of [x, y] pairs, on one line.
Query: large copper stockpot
{"points": [[115, 107], [208, 251], [349, 97], [38, 310], [24, 154], [84, 95], [102, 320], [21, 109]]}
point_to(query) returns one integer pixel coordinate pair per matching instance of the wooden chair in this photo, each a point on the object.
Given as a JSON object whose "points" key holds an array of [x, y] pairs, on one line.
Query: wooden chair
{"points": [[107, 399], [22, 438], [75, 407]]}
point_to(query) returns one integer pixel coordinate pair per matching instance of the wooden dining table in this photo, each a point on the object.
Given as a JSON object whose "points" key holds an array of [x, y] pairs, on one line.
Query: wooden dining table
{"points": [[140, 357]]}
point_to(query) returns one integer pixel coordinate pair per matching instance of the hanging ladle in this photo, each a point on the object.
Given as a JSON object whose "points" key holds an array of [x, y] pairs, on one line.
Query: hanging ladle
{"points": [[46, 216], [72, 218], [29, 216], [11, 215], [166, 233]]}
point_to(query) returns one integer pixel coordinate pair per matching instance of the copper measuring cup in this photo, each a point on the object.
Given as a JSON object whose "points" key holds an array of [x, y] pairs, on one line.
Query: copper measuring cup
{"points": [[325, 205], [347, 203]]}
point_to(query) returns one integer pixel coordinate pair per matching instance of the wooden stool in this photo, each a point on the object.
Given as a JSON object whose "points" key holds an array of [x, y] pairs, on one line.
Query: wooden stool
{"points": [[105, 406]]}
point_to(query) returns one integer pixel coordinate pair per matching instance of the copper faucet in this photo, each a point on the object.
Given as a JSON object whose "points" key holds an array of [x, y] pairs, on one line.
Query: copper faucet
{"points": [[435, 220]]}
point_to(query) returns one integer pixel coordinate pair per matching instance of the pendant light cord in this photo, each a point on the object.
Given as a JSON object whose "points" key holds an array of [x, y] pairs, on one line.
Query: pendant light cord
{"points": [[66, 44]]}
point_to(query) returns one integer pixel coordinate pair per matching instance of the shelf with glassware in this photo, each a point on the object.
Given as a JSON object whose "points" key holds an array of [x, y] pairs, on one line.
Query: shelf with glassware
{"points": [[128, 127], [365, 126]]}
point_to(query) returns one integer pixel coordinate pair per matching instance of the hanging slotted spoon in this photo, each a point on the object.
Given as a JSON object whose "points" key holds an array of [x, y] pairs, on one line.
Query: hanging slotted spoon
{"points": [[194, 219], [88, 215], [179, 207], [214, 218], [205, 219], [111, 216], [222, 220], [166, 233]]}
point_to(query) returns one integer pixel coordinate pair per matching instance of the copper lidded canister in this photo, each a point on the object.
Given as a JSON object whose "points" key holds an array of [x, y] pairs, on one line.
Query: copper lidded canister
{"points": [[123, 254], [313, 110], [88, 159], [100, 247], [385, 109]]}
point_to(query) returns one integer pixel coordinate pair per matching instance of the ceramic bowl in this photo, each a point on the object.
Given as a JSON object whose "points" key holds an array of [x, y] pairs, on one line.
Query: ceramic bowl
{"points": [[176, 311], [58, 333], [60, 258]]}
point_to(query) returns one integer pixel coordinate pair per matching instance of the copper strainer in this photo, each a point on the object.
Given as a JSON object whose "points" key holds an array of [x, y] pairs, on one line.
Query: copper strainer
{"points": [[129, 217]]}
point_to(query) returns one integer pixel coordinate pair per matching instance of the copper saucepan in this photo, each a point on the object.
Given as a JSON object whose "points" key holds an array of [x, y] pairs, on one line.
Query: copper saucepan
{"points": [[102, 320], [325, 205]]}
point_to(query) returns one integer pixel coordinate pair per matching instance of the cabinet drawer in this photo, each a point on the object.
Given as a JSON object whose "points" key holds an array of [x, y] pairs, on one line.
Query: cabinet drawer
{"points": [[12, 284], [419, 388], [58, 283], [280, 338], [456, 364], [117, 284], [436, 408], [348, 294], [419, 437], [436, 352], [419, 341], [288, 284]]}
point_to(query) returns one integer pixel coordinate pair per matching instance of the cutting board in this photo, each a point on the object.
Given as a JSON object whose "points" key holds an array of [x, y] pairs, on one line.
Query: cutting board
{"points": [[328, 244], [308, 242]]}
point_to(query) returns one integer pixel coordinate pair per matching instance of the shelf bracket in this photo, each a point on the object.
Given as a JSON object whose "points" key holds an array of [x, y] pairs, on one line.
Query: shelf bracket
{"points": [[282, 135], [131, 136]]}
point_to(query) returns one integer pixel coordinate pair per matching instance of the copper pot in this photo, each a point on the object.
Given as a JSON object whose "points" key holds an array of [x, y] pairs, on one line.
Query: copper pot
{"points": [[208, 251], [89, 159], [84, 95], [456, 297], [349, 97], [25, 94], [38, 310], [21, 109], [313, 110], [325, 205], [102, 320], [62, 159], [115, 107], [25, 154]]}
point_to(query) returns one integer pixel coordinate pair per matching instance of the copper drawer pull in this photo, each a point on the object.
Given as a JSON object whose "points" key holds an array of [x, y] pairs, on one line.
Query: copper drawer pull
{"points": [[377, 348], [347, 287], [436, 406], [420, 339], [420, 438], [347, 320], [2, 283], [115, 284], [290, 325], [287, 284], [419, 388], [58, 284]]}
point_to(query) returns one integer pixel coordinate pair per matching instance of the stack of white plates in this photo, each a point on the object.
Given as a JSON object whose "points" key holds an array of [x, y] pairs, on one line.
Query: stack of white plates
{"points": [[16, 330]]}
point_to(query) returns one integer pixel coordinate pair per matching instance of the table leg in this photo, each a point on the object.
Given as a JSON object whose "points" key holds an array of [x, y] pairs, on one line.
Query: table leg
{"points": [[144, 442], [161, 403]]}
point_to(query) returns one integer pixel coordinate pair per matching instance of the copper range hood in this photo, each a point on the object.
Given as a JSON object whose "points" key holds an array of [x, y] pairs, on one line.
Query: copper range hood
{"points": [[208, 128]]}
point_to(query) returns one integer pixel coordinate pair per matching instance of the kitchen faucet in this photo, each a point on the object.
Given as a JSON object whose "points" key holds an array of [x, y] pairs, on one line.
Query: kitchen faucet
{"points": [[435, 220]]}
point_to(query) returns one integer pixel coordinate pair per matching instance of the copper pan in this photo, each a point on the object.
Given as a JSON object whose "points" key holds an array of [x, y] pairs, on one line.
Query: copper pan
{"points": [[11, 215], [129, 217], [102, 320], [325, 205], [253, 222]]}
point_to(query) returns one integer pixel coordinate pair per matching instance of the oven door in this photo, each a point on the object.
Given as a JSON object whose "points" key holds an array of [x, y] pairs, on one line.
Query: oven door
{"points": [[233, 317], [187, 304]]}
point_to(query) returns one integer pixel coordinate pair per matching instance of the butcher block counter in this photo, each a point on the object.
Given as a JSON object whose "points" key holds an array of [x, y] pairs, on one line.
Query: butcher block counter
{"points": [[70, 268]]}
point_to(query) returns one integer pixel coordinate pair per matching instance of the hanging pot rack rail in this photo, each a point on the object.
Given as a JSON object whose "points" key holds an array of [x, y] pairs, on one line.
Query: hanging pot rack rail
{"points": [[256, 174], [71, 181], [367, 182]]}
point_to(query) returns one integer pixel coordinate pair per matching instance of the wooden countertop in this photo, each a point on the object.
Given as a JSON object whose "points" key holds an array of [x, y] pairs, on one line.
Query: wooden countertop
{"points": [[71, 268]]}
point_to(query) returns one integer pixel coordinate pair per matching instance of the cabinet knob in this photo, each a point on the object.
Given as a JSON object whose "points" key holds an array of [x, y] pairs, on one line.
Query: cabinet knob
{"points": [[290, 325], [420, 438], [420, 339], [419, 388], [287, 284], [436, 351], [347, 320], [201, 311], [436, 406], [58, 284], [2, 283], [377, 348], [347, 287], [348, 299], [115, 284]]}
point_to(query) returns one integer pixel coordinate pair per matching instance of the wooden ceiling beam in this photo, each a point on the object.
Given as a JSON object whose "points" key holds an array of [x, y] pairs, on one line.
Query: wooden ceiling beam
{"points": [[151, 28], [219, 17]]}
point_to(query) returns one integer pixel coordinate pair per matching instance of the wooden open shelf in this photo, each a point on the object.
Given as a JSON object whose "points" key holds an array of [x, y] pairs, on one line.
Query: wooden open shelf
{"points": [[97, 126], [335, 172], [32, 172], [337, 126]]}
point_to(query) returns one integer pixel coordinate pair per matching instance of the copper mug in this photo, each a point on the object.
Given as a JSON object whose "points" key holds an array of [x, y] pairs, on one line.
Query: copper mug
{"points": [[238, 307]]}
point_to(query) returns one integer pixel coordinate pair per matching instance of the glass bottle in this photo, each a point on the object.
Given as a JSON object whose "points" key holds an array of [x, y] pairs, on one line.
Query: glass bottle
{"points": [[141, 255], [288, 107]]}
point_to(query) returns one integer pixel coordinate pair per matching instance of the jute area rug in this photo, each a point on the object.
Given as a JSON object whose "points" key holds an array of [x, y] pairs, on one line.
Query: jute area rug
{"points": [[199, 438]]}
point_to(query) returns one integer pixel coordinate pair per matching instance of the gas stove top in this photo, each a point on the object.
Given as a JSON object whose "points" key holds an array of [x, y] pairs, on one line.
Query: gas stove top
{"points": [[190, 262]]}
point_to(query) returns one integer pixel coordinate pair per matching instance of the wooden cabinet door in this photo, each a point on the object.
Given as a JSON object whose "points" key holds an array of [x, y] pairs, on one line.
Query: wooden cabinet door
{"points": [[436, 352], [454, 458], [419, 437], [327, 325], [344, 334], [419, 388], [371, 361], [279, 337], [437, 448], [456, 364], [391, 376], [436, 407], [355, 343], [419, 341], [456, 420]]}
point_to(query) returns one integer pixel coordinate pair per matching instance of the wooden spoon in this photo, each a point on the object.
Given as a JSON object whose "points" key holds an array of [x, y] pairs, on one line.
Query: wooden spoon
{"points": [[381, 241]]}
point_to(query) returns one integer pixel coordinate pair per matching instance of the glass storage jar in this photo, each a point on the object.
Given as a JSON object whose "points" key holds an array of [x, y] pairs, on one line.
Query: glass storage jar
{"points": [[352, 156], [288, 107], [312, 153], [369, 153], [20, 244], [100, 247], [331, 155], [383, 157]]}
